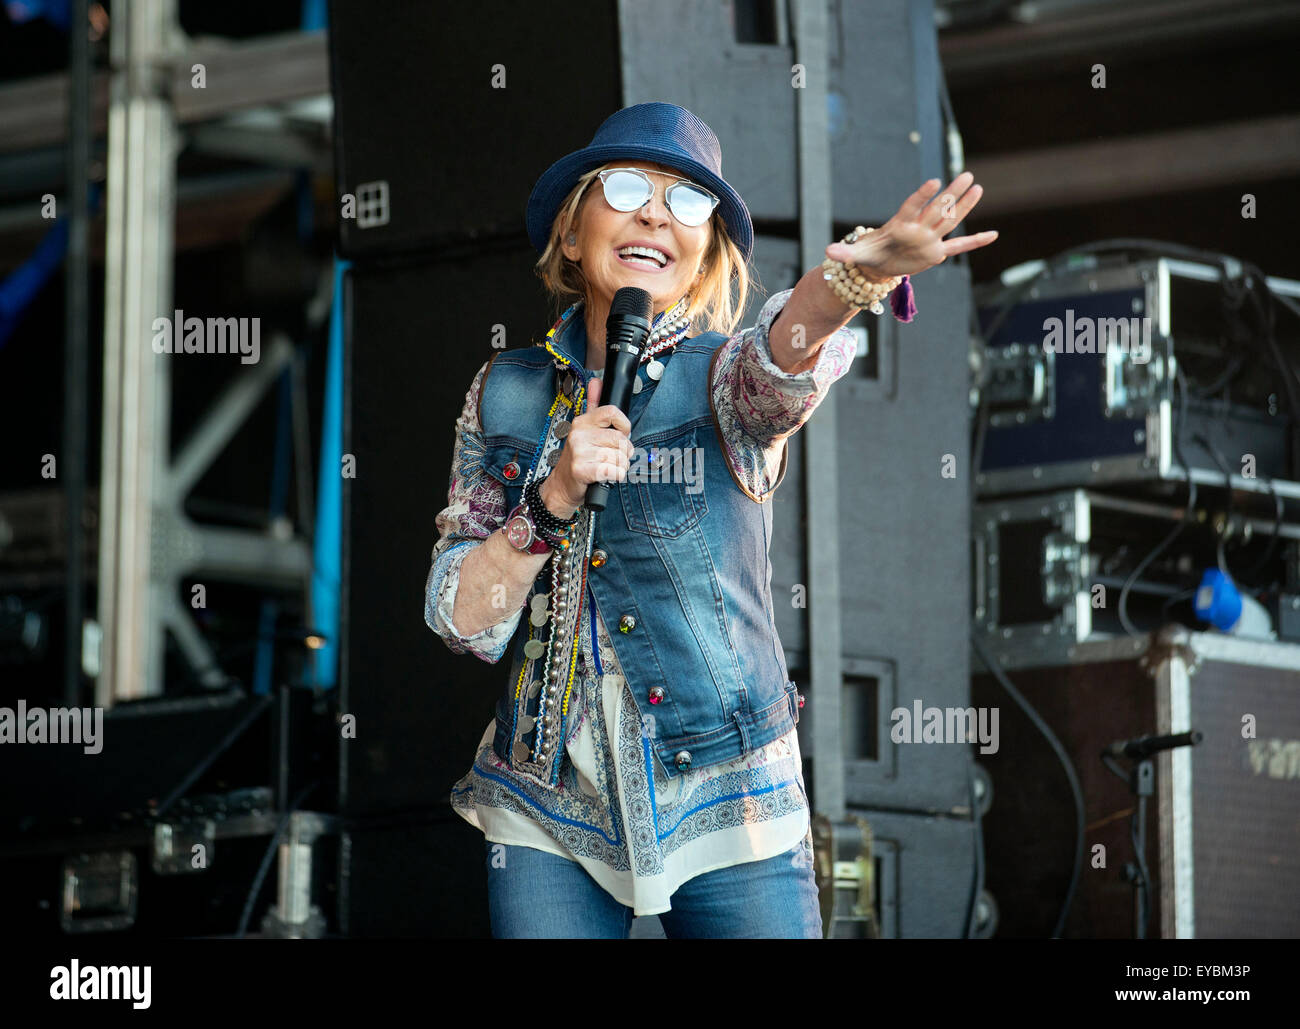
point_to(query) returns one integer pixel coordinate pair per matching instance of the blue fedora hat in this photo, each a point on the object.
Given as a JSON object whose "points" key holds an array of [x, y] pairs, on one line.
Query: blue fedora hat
{"points": [[663, 133]]}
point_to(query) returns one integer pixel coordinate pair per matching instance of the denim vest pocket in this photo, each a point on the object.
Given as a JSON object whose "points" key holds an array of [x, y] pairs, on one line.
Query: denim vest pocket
{"points": [[661, 502], [499, 453]]}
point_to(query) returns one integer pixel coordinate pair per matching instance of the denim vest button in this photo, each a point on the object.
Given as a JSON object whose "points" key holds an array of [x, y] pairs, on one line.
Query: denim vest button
{"points": [[656, 694], [626, 623], [598, 557], [511, 471], [683, 760]]}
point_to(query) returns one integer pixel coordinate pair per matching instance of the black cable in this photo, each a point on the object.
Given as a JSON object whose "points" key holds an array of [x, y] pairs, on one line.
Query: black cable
{"points": [[253, 713], [1244, 576], [1139, 857], [1075, 789], [247, 914], [1235, 365], [1174, 599], [1141, 860], [1217, 457], [1268, 321], [1180, 382], [1278, 508]]}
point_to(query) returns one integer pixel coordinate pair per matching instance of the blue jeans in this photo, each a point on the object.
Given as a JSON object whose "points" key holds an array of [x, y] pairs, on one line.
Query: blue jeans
{"points": [[534, 894]]}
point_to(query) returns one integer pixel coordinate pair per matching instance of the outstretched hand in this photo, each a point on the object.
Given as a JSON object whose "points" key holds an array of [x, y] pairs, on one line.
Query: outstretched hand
{"points": [[912, 240]]}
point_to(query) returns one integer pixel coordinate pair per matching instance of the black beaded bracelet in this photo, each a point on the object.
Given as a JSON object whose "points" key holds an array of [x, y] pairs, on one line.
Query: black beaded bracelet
{"points": [[547, 523]]}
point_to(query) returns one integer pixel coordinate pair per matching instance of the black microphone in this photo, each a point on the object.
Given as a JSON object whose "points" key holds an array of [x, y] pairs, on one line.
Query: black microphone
{"points": [[1144, 746], [626, 331]]}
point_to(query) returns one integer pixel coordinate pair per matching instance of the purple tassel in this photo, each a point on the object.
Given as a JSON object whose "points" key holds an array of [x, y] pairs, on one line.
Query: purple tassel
{"points": [[901, 301]]}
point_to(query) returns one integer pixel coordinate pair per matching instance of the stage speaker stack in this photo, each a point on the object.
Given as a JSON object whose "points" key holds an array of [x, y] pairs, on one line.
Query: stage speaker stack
{"points": [[1110, 382]]}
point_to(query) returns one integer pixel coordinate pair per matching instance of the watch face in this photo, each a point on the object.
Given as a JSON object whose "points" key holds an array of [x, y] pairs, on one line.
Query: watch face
{"points": [[519, 532]]}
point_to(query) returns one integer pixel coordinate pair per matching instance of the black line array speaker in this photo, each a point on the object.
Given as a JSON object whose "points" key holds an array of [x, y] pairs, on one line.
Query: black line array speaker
{"points": [[445, 114], [418, 333]]}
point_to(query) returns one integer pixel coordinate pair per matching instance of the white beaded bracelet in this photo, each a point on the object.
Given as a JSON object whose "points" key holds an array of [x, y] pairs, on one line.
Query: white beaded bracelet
{"points": [[854, 288]]}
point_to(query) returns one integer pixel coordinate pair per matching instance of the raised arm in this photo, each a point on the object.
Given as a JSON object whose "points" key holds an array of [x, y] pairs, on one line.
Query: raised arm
{"points": [[759, 404], [768, 379]]}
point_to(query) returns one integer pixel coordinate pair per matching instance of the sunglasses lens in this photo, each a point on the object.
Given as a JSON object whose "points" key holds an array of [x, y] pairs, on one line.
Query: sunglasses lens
{"points": [[626, 191], [689, 205]]}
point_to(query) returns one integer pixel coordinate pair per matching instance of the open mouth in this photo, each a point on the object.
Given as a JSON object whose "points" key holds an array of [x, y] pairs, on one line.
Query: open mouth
{"points": [[646, 258]]}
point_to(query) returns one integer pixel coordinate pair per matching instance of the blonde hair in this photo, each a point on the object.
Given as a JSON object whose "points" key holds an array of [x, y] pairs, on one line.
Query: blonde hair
{"points": [[712, 303]]}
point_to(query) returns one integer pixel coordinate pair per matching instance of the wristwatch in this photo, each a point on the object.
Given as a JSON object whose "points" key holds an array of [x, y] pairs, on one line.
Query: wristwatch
{"points": [[522, 532]]}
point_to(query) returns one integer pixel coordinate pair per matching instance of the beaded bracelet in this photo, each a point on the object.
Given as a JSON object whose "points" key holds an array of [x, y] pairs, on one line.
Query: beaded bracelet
{"points": [[854, 288], [553, 529]]}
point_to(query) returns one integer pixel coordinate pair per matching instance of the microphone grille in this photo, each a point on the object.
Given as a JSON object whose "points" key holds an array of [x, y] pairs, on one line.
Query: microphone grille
{"points": [[631, 300]]}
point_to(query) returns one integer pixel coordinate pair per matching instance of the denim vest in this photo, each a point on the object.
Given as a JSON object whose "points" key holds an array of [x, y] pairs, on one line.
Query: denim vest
{"points": [[685, 589]]}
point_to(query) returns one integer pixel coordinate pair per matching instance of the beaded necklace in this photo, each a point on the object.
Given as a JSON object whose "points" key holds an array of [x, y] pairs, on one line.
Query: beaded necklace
{"points": [[569, 585]]}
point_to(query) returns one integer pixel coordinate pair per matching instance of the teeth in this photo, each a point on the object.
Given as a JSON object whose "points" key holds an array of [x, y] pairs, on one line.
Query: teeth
{"points": [[656, 255]]}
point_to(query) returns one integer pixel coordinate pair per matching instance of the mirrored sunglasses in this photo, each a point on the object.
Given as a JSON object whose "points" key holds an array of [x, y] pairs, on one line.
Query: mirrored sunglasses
{"points": [[629, 189]]}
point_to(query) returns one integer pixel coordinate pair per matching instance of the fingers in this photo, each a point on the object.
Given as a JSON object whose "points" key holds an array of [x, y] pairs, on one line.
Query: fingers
{"points": [[609, 415], [611, 467], [951, 205], [613, 439], [946, 207], [597, 445], [963, 243], [939, 210], [958, 186], [951, 217], [603, 414], [610, 458], [912, 206], [841, 252], [599, 440]]}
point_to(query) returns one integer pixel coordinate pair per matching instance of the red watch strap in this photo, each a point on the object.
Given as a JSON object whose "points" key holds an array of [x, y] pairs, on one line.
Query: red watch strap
{"points": [[539, 545]]}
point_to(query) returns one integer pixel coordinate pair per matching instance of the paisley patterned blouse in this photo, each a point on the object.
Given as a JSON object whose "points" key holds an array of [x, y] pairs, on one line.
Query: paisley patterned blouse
{"points": [[639, 834]]}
